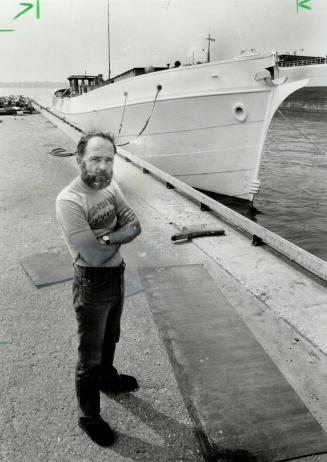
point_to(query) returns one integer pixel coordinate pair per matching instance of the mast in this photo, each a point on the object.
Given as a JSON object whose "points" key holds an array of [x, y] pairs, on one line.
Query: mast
{"points": [[210, 39], [109, 70]]}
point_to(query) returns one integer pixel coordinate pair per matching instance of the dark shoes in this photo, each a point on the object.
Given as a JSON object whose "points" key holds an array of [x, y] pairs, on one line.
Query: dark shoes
{"points": [[121, 384], [98, 430]]}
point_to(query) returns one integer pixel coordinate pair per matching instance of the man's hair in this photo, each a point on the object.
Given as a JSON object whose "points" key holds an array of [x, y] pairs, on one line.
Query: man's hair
{"points": [[81, 146]]}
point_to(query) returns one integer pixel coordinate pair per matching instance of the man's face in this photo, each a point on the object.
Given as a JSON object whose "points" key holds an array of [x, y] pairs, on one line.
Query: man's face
{"points": [[97, 163]]}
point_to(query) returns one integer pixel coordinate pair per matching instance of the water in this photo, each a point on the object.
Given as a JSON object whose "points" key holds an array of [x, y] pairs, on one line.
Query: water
{"points": [[41, 95], [293, 197]]}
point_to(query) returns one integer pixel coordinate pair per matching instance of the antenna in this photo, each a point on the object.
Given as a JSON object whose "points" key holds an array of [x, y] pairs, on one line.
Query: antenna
{"points": [[109, 71], [210, 39]]}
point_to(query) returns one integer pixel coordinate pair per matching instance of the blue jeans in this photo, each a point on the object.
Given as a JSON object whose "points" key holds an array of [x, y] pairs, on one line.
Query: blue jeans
{"points": [[98, 296]]}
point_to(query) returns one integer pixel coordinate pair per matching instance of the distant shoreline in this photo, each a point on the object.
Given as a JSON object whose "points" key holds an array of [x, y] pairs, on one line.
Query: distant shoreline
{"points": [[33, 84]]}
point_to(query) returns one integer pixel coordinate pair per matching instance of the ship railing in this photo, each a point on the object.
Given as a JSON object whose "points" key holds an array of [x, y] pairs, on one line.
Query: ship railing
{"points": [[302, 62]]}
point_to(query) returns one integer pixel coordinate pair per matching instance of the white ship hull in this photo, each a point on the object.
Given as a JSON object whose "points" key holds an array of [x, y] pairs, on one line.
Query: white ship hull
{"points": [[207, 125]]}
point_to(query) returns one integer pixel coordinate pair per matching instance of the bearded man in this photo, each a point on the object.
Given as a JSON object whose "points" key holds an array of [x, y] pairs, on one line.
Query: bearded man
{"points": [[96, 220]]}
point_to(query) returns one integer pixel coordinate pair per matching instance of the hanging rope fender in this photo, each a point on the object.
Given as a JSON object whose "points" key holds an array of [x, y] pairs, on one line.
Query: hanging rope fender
{"points": [[159, 88]]}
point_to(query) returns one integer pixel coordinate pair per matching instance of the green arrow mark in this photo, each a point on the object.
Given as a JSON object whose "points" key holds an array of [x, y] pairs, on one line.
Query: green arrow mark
{"points": [[28, 7], [302, 4]]}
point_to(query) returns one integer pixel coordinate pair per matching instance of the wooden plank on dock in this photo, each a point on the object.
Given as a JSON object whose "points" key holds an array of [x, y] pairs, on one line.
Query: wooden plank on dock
{"points": [[243, 407]]}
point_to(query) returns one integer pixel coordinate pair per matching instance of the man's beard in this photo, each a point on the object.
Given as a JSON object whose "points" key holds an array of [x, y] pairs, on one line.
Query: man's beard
{"points": [[95, 181]]}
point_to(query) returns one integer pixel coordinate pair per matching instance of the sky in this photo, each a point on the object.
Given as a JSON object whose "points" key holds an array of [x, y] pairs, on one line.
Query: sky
{"points": [[70, 36]]}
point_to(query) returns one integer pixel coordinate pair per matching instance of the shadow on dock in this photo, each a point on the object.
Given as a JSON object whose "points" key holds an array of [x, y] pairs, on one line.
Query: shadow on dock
{"points": [[241, 206]]}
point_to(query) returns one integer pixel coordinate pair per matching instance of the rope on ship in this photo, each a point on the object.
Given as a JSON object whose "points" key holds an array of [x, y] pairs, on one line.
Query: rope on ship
{"points": [[123, 115], [302, 134], [159, 87]]}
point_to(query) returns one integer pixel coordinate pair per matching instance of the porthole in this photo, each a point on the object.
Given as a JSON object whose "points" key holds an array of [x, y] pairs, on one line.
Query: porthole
{"points": [[240, 113]]}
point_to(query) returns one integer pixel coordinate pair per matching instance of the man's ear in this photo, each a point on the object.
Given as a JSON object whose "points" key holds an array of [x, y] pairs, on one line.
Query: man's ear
{"points": [[78, 159]]}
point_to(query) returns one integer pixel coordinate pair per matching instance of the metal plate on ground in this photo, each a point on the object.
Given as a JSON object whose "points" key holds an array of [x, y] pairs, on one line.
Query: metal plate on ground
{"points": [[243, 407], [50, 268]]}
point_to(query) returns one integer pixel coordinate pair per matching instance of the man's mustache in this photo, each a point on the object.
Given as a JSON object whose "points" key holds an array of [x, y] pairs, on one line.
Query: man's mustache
{"points": [[100, 175]]}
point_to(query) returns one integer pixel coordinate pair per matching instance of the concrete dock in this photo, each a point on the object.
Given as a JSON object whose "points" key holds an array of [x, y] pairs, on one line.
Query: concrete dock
{"points": [[283, 306]]}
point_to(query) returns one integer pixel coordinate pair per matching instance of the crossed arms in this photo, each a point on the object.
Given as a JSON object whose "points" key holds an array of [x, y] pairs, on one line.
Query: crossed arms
{"points": [[128, 228], [93, 250]]}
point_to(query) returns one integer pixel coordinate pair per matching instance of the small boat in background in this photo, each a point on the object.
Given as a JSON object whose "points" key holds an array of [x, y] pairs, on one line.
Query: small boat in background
{"points": [[15, 105]]}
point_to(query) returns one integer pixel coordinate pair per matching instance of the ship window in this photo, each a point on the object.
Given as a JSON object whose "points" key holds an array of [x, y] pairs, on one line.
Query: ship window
{"points": [[240, 113]]}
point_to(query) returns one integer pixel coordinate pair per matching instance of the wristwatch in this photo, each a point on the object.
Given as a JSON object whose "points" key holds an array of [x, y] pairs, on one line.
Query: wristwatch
{"points": [[106, 239]]}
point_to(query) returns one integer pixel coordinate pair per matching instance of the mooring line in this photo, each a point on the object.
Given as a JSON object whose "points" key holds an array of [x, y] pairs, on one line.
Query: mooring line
{"points": [[299, 131], [159, 87], [123, 115]]}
